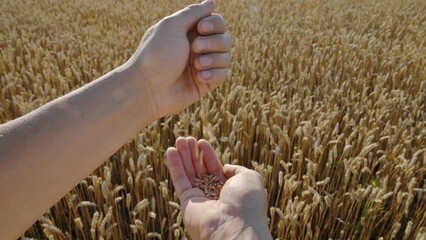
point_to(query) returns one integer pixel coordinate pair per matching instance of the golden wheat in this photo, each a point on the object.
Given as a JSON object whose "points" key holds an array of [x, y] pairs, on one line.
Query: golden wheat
{"points": [[327, 100]]}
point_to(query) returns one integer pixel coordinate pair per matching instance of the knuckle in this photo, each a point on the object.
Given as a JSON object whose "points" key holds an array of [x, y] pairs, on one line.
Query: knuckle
{"points": [[186, 10], [191, 7], [256, 174], [220, 21], [217, 17], [167, 21]]}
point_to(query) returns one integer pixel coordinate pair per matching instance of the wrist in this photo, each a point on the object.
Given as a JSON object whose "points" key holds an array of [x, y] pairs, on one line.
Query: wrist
{"points": [[144, 94], [255, 232], [242, 229]]}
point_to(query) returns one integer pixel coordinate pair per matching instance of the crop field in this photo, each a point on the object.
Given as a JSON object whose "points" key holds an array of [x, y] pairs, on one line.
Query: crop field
{"points": [[326, 99]]}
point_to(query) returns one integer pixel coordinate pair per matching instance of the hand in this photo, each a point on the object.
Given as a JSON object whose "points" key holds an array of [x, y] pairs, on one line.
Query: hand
{"points": [[240, 212], [182, 58]]}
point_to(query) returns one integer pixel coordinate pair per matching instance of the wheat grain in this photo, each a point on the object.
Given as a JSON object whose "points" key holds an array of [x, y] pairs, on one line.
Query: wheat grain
{"points": [[210, 185]]}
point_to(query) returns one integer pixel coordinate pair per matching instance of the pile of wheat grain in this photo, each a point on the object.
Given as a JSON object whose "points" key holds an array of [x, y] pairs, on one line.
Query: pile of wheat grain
{"points": [[326, 99]]}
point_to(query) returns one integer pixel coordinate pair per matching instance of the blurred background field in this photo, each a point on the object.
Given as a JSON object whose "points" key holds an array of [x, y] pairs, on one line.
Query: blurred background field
{"points": [[326, 99]]}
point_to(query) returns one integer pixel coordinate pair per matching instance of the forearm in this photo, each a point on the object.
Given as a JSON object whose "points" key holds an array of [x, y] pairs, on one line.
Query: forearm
{"points": [[45, 153]]}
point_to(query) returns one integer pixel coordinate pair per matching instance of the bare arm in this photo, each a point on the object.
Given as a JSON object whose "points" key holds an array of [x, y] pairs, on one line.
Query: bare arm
{"points": [[47, 152]]}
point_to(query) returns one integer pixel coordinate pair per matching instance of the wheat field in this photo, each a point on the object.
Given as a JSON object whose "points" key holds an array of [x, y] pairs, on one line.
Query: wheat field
{"points": [[326, 99]]}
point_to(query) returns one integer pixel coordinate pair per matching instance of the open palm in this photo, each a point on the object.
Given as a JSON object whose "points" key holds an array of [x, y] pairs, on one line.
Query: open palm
{"points": [[242, 202]]}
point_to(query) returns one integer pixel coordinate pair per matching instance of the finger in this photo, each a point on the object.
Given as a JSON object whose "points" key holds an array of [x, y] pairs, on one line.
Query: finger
{"points": [[185, 154], [212, 43], [231, 170], [189, 16], [211, 25], [177, 171], [212, 163], [212, 60], [212, 76], [199, 167]]}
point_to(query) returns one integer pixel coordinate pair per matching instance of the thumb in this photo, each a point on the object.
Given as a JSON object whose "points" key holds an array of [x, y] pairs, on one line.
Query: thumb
{"points": [[189, 16], [231, 170]]}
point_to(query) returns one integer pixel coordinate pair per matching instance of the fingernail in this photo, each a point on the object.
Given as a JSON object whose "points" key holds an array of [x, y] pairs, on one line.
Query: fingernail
{"points": [[203, 44], [205, 61], [206, 74], [207, 26]]}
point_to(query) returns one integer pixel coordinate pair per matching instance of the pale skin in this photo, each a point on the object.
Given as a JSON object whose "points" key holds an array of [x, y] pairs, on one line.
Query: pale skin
{"points": [[45, 153], [240, 211]]}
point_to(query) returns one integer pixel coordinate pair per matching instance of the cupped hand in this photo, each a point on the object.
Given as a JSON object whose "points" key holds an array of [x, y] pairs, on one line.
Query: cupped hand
{"points": [[183, 57], [240, 211]]}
